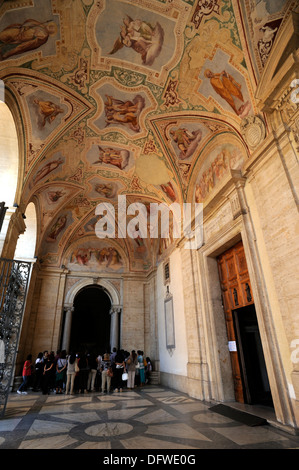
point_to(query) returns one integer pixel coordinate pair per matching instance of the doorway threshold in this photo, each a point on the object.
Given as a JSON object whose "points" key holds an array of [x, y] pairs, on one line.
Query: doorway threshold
{"points": [[240, 415], [263, 412]]}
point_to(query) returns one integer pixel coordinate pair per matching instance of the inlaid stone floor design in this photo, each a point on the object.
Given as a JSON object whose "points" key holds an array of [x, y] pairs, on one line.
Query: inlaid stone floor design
{"points": [[153, 417]]}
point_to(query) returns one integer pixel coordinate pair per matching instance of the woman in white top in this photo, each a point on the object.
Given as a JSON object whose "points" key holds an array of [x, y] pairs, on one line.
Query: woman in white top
{"points": [[70, 373], [131, 364]]}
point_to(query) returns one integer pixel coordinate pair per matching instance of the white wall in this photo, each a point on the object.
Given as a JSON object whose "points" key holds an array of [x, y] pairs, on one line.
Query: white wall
{"points": [[175, 363], [26, 244], [9, 156]]}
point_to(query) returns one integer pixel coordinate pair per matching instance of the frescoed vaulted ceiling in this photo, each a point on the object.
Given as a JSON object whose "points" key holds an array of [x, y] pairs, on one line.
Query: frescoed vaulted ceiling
{"points": [[138, 98]]}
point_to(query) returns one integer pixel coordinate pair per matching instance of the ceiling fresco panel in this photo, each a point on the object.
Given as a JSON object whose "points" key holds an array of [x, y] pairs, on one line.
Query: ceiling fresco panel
{"points": [[213, 171], [95, 255], [263, 19], [26, 29], [49, 110], [148, 99], [144, 36]]}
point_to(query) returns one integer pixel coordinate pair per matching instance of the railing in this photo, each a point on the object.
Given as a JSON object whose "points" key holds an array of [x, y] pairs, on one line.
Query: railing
{"points": [[14, 278]]}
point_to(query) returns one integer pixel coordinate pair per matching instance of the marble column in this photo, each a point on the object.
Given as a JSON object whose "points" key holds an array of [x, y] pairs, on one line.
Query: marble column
{"points": [[67, 327], [114, 327]]}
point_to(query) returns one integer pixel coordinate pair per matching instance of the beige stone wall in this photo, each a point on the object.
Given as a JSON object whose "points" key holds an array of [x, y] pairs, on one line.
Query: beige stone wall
{"points": [[197, 365], [274, 214], [46, 312], [271, 193], [133, 325], [49, 292]]}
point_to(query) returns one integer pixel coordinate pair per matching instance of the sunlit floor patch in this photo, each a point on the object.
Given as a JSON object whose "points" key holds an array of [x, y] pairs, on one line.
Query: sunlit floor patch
{"points": [[108, 429], [48, 427], [55, 442]]}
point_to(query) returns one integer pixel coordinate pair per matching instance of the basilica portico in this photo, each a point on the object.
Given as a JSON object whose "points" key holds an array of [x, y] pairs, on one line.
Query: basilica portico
{"points": [[112, 111]]}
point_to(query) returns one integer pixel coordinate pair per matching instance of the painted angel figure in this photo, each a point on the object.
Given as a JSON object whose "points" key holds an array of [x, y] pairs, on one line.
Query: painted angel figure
{"points": [[46, 169], [118, 158], [230, 90], [54, 196], [124, 112], [142, 37], [81, 256], [106, 190], [48, 111], [18, 38], [186, 141], [57, 228]]}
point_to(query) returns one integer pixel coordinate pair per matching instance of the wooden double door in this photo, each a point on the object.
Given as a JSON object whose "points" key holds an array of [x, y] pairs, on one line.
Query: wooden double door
{"points": [[250, 377]]}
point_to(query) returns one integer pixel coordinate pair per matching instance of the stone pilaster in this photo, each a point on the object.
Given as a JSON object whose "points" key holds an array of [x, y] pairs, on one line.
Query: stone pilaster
{"points": [[197, 367], [12, 228]]}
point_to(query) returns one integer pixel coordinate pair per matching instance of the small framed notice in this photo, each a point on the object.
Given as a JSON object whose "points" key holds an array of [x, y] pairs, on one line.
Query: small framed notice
{"points": [[232, 346], [169, 323]]}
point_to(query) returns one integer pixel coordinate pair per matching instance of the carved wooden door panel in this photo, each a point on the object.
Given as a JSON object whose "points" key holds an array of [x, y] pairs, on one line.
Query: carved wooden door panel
{"points": [[236, 293]]}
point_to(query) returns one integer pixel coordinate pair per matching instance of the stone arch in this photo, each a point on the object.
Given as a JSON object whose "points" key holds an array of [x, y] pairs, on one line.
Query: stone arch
{"points": [[115, 310], [108, 287]]}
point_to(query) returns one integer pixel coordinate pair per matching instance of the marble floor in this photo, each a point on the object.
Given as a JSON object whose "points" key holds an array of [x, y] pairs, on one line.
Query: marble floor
{"points": [[153, 417]]}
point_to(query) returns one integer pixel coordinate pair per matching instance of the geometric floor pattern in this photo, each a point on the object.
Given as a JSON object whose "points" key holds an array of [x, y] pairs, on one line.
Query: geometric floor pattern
{"points": [[153, 417]]}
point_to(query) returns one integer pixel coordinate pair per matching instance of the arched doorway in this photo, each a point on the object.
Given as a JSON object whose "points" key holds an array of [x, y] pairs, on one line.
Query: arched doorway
{"points": [[91, 320]]}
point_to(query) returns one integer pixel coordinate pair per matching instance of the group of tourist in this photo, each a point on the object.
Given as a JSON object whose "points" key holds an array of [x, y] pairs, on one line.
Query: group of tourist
{"points": [[85, 372]]}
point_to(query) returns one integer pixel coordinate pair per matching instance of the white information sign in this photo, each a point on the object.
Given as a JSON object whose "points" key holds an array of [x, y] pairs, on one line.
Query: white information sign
{"points": [[232, 346]]}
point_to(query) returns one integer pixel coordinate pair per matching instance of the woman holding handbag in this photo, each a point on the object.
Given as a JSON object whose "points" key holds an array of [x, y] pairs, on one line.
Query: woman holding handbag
{"points": [[71, 373], [131, 368]]}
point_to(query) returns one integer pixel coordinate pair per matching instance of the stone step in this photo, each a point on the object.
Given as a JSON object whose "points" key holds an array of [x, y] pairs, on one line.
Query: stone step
{"points": [[154, 377]]}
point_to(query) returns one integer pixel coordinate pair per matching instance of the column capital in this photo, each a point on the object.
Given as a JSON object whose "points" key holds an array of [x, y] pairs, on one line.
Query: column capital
{"points": [[68, 307], [115, 309]]}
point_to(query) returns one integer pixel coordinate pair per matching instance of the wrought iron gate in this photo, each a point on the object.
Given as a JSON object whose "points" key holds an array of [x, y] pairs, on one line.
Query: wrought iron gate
{"points": [[14, 278]]}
